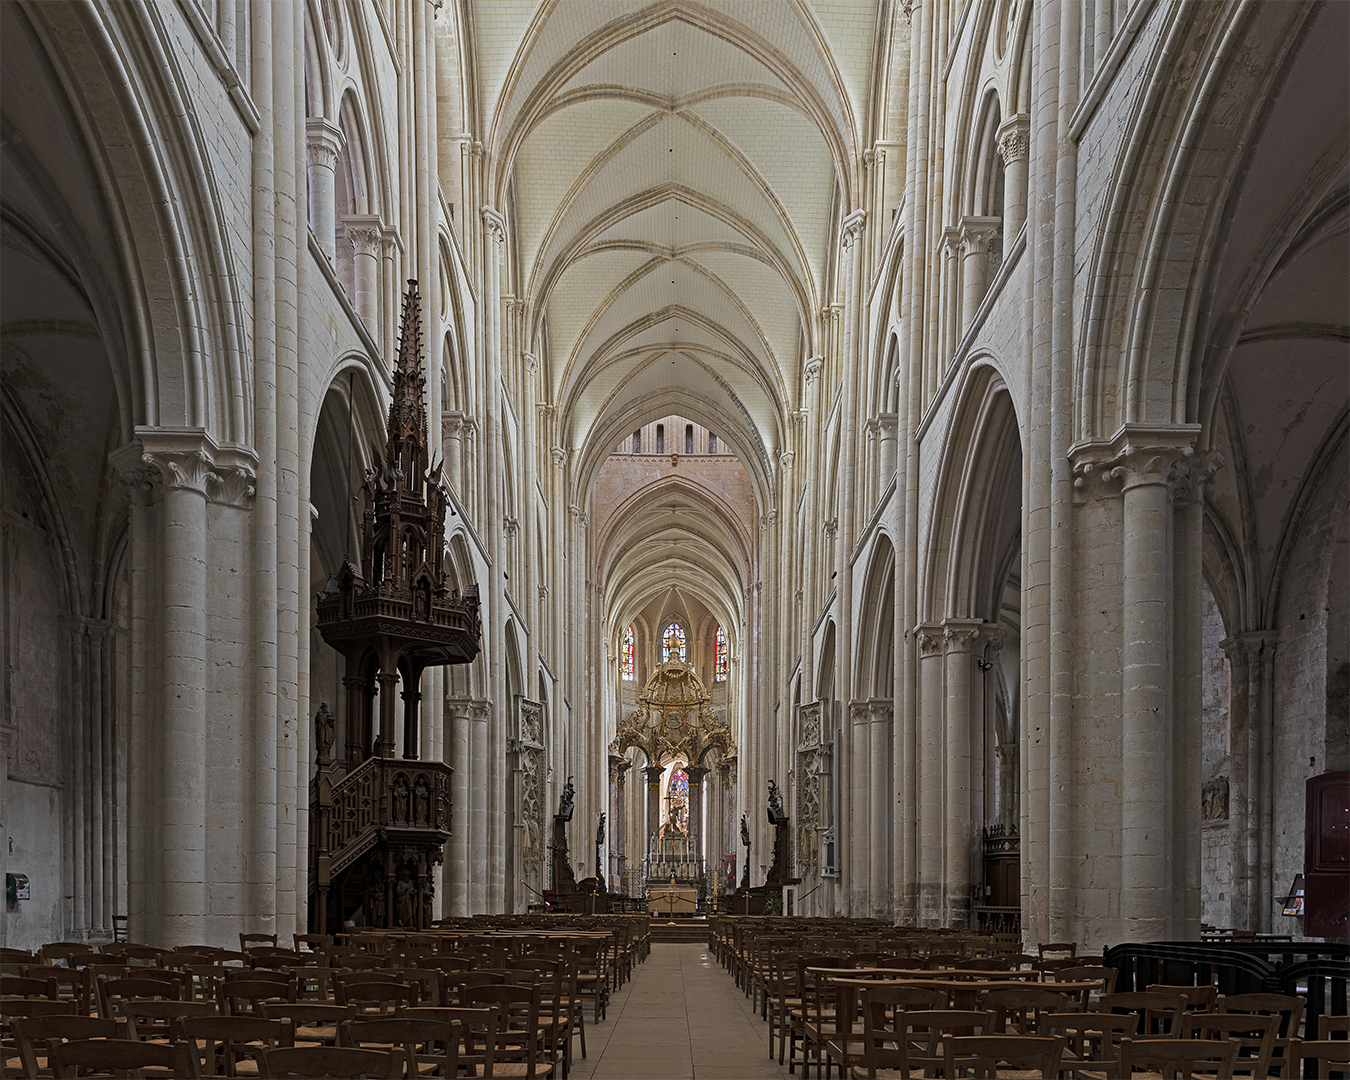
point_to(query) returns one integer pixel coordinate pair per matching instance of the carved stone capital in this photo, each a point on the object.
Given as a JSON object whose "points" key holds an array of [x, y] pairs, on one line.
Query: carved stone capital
{"points": [[531, 363], [365, 231], [559, 456], [494, 225], [977, 233], [929, 636], [1013, 138], [1194, 476], [850, 231], [452, 424], [786, 458], [324, 141], [233, 486], [831, 527], [812, 368], [959, 634], [1137, 455], [510, 525]]}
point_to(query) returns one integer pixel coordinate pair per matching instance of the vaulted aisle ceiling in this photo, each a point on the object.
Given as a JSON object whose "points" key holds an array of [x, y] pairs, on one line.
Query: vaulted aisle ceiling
{"points": [[675, 174]]}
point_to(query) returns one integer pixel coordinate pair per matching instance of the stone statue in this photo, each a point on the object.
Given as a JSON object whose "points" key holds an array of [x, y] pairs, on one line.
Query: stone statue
{"points": [[325, 730], [565, 804], [375, 898], [405, 898], [745, 831], [775, 804], [600, 831], [421, 800], [400, 798], [428, 894]]}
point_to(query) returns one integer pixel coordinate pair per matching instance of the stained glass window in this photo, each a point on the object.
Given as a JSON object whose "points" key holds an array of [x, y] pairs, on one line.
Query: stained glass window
{"points": [[720, 656], [626, 661], [679, 799], [672, 643]]}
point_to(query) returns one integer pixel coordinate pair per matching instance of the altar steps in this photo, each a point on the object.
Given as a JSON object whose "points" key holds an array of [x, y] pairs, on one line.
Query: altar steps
{"points": [[680, 931]]}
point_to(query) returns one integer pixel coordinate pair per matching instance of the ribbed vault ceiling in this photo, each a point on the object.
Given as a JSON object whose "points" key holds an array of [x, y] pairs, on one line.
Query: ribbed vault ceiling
{"points": [[672, 172]]}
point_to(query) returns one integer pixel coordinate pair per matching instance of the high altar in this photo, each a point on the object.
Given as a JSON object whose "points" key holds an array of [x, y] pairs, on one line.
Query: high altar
{"points": [[674, 722]]}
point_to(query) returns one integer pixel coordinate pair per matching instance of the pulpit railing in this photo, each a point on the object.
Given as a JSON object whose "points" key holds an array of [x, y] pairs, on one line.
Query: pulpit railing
{"points": [[378, 795]]}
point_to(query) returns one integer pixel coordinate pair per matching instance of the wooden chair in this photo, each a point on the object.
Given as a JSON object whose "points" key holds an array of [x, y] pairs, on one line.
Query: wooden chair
{"points": [[154, 1019], [927, 1031], [315, 1025], [30, 986], [519, 1051], [1159, 1014], [316, 942], [140, 955], [882, 1044], [458, 986], [555, 1017], [222, 1044], [1021, 1008], [987, 1053], [424, 1047], [1331, 1056], [340, 1062], [248, 941], [119, 1057], [1198, 998], [477, 1035], [593, 977], [1255, 1035], [1327, 1026], [246, 997], [1092, 1046], [33, 1034], [376, 999], [1084, 972], [1067, 949], [111, 992], [1288, 1007], [1184, 1056]]}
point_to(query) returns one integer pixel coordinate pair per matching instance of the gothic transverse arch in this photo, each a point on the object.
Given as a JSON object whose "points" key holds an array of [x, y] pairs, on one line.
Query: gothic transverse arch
{"points": [[972, 516], [1151, 262]]}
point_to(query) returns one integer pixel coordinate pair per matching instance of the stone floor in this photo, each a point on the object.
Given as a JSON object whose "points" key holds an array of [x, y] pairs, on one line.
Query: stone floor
{"points": [[680, 1017]]}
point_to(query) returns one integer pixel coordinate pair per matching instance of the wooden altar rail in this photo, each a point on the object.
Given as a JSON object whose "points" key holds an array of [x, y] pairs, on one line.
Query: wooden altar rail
{"points": [[1320, 971]]}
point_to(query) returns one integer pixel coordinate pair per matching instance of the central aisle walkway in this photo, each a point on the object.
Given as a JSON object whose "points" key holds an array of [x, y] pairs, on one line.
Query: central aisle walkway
{"points": [[681, 1017]]}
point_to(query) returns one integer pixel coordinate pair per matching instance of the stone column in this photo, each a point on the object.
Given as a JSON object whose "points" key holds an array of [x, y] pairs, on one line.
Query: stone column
{"points": [[1013, 145], [653, 775], [1146, 736], [365, 232], [696, 774], [881, 815], [959, 636], [479, 735], [182, 741], [930, 819], [324, 141], [977, 237], [452, 446], [887, 425], [456, 878]]}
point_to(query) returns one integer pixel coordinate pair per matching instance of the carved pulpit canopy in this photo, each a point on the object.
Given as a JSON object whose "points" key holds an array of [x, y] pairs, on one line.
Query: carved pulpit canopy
{"points": [[674, 717]]}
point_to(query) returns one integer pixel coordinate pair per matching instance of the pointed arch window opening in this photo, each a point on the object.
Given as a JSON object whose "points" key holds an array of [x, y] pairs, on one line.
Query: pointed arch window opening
{"points": [[628, 662], [677, 801], [673, 644], [720, 656]]}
